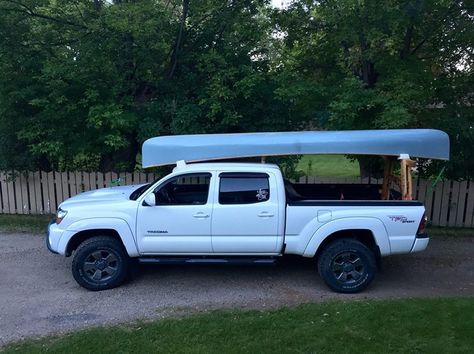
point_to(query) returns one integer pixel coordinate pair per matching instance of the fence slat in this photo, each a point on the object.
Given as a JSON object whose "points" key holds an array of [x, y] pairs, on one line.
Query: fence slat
{"points": [[150, 177], [31, 193], [461, 203], [72, 184], [65, 185], [445, 204], [58, 185], [429, 200], [128, 178], [107, 178], [469, 222], [24, 193], [114, 178], [86, 181], [136, 177], [100, 179], [122, 180], [38, 194], [421, 191], [454, 204], [51, 193], [438, 197], [11, 195], [17, 189], [3, 185], [93, 180], [45, 193]]}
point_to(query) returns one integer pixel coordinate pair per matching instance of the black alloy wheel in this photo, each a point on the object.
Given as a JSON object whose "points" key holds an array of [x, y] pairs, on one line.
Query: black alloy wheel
{"points": [[100, 263], [347, 265]]}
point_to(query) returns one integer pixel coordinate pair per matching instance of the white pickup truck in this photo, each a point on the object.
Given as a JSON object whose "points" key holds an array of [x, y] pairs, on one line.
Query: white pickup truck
{"points": [[230, 212]]}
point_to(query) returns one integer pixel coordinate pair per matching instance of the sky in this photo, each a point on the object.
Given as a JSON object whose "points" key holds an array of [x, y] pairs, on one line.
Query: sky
{"points": [[280, 3]]}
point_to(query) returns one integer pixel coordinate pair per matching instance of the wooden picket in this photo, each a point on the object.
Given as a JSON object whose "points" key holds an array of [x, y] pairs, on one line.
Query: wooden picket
{"points": [[448, 203]]}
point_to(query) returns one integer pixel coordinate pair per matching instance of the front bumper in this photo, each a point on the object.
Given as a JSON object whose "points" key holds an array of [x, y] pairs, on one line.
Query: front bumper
{"points": [[421, 242], [53, 234]]}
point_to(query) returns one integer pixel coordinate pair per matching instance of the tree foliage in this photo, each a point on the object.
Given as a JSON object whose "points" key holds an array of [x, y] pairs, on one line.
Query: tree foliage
{"points": [[84, 82]]}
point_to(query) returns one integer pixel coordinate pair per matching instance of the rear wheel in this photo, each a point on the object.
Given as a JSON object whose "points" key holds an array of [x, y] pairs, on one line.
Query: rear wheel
{"points": [[100, 263], [347, 266]]}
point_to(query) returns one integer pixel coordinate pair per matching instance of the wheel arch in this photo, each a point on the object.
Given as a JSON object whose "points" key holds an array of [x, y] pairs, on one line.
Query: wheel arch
{"points": [[84, 235], [370, 231], [364, 236], [82, 230]]}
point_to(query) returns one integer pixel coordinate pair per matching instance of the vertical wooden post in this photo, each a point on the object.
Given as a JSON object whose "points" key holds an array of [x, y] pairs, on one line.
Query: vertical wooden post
{"points": [[406, 181], [387, 178], [409, 195], [403, 178]]}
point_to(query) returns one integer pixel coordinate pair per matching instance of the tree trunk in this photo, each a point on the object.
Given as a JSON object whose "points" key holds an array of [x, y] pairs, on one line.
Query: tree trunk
{"points": [[174, 57]]}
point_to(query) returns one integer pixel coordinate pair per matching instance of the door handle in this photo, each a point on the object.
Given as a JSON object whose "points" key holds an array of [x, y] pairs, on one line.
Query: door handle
{"points": [[201, 215], [265, 214]]}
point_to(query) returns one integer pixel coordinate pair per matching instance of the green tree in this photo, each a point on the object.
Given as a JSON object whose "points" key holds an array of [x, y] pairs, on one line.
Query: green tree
{"points": [[383, 64]]}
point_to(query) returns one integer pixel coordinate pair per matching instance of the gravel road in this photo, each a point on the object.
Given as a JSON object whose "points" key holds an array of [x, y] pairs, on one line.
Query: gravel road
{"points": [[38, 295]]}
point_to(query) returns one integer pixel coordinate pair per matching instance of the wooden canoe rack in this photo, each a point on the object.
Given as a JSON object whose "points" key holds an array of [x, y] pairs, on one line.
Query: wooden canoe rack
{"points": [[404, 181]]}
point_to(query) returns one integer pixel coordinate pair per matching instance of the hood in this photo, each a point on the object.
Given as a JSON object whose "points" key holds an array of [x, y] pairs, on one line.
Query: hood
{"points": [[102, 195]]}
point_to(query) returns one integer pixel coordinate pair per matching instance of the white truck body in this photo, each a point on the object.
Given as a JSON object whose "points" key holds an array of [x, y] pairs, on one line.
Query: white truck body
{"points": [[270, 226]]}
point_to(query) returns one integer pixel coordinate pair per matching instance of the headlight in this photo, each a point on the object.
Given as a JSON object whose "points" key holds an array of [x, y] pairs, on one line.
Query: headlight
{"points": [[60, 215]]}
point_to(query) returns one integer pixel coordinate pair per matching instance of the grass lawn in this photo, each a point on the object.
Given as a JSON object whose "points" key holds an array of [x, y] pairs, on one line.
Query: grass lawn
{"points": [[328, 166], [389, 326], [24, 223], [449, 231]]}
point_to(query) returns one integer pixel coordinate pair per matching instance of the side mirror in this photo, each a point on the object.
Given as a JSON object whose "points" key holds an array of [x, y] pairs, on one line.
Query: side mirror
{"points": [[150, 200]]}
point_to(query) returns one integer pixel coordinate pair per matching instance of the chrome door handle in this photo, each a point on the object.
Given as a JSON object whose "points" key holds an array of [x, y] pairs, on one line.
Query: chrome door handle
{"points": [[201, 215], [265, 214]]}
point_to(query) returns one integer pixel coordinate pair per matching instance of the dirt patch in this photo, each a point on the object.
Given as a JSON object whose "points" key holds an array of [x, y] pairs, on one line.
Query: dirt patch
{"points": [[38, 295]]}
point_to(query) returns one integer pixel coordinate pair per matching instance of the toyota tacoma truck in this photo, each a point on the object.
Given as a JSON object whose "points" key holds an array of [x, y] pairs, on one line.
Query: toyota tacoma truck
{"points": [[231, 213]]}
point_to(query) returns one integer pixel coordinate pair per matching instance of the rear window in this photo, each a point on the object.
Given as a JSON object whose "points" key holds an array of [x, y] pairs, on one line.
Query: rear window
{"points": [[243, 188]]}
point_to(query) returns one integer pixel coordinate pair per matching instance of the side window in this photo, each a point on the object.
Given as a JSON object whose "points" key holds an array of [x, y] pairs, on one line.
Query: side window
{"points": [[189, 189], [243, 188]]}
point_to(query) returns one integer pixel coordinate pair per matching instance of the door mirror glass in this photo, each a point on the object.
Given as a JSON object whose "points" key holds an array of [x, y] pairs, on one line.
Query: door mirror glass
{"points": [[149, 200]]}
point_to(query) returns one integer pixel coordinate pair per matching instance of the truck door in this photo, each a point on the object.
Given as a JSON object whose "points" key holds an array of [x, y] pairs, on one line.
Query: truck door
{"points": [[245, 217], [180, 222]]}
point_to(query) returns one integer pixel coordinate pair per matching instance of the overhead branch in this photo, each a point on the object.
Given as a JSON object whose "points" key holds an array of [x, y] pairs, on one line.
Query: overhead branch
{"points": [[24, 9], [418, 46]]}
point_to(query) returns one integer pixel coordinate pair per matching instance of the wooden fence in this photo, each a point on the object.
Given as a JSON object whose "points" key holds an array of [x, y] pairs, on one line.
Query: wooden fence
{"points": [[449, 203]]}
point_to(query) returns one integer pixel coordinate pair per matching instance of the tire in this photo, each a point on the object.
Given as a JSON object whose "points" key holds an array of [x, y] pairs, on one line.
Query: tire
{"points": [[100, 263], [347, 266]]}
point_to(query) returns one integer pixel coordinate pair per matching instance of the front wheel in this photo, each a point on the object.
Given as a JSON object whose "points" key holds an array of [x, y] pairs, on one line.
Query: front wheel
{"points": [[347, 266], [100, 263]]}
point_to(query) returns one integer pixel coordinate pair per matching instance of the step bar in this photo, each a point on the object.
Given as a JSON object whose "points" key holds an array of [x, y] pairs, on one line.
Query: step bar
{"points": [[199, 260]]}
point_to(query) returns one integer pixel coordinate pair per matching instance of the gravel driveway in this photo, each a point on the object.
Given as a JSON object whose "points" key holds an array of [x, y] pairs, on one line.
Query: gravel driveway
{"points": [[38, 295]]}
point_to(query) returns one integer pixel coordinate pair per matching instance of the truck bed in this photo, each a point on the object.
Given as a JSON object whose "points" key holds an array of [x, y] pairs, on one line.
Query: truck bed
{"points": [[312, 192]]}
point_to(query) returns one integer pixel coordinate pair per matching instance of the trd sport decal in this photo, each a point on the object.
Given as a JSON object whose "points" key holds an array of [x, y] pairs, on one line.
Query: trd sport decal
{"points": [[400, 218]]}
